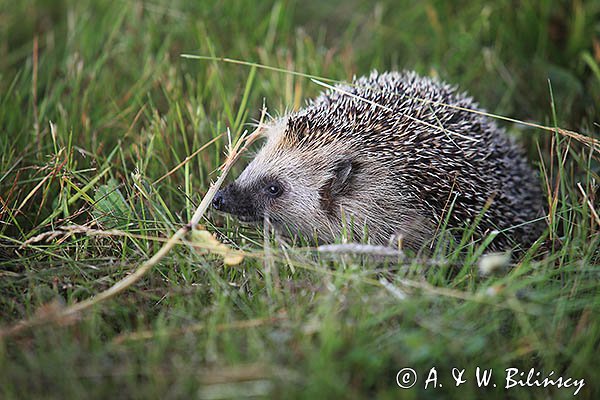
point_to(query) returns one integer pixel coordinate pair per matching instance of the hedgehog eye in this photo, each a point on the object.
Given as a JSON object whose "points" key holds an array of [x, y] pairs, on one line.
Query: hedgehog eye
{"points": [[274, 190]]}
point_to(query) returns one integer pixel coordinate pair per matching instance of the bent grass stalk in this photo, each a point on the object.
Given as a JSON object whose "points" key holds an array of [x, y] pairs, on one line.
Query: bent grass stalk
{"points": [[234, 151]]}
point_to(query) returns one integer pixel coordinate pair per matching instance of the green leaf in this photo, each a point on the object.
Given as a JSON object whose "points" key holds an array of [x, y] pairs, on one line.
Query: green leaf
{"points": [[110, 208]]}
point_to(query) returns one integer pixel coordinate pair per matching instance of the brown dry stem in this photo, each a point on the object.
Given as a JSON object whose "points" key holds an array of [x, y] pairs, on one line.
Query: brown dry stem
{"points": [[70, 312]]}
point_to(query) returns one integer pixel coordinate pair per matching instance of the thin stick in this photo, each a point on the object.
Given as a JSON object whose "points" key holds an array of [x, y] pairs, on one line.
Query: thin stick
{"points": [[156, 258]]}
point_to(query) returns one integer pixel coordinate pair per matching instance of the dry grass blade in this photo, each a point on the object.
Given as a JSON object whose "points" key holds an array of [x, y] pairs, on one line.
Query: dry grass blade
{"points": [[375, 104], [177, 237], [589, 203], [586, 140], [257, 65], [187, 159]]}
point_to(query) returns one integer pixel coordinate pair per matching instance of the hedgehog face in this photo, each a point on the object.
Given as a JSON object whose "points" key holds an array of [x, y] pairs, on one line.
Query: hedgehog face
{"points": [[281, 194], [293, 188]]}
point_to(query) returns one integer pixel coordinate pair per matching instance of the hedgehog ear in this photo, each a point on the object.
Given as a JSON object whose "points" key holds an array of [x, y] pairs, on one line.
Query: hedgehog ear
{"points": [[337, 185], [341, 177]]}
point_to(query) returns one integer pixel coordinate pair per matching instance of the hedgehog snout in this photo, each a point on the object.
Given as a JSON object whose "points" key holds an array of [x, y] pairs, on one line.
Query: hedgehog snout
{"points": [[217, 201], [233, 200], [224, 200]]}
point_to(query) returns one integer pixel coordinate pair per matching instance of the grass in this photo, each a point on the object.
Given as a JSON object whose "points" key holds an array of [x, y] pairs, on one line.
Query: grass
{"points": [[97, 107]]}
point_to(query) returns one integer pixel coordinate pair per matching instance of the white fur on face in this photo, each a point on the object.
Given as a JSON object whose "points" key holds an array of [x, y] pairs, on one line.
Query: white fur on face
{"points": [[302, 176], [305, 171]]}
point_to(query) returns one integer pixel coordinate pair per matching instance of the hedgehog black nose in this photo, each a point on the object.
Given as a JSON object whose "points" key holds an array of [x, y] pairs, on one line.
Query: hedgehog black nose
{"points": [[218, 200]]}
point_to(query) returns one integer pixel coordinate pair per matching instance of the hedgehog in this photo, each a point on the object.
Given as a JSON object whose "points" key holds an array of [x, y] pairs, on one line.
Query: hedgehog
{"points": [[389, 159]]}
